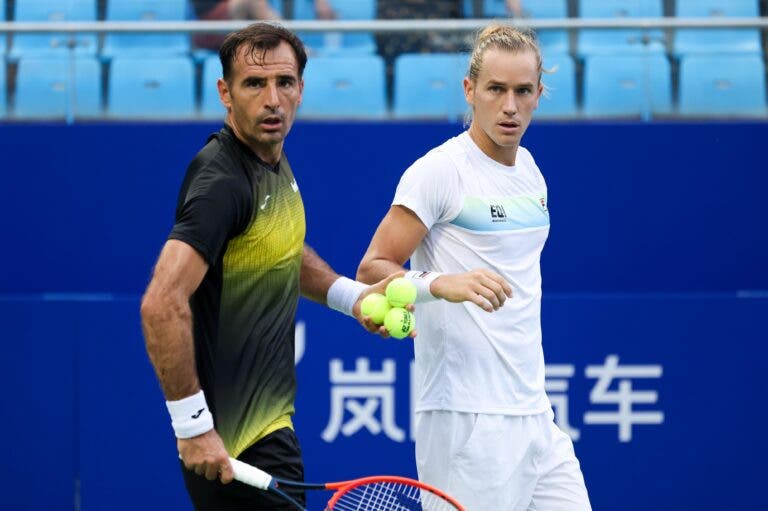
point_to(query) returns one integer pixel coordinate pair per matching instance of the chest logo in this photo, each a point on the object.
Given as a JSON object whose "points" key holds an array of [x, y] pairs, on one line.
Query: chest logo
{"points": [[294, 186], [266, 199], [497, 213]]}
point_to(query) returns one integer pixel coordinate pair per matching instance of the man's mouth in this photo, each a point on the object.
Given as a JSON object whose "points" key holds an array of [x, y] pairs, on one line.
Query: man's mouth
{"points": [[509, 127], [272, 120]]}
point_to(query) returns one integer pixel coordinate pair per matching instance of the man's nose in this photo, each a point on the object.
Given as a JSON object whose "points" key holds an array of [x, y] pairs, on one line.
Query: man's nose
{"points": [[272, 99], [510, 105]]}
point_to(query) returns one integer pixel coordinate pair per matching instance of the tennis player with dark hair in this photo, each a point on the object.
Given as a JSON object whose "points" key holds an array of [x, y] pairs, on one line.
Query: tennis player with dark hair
{"points": [[484, 426], [218, 315]]}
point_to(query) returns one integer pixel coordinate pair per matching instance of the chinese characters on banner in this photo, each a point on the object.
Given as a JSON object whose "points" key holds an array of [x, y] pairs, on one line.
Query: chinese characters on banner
{"points": [[363, 393], [362, 398], [625, 417]]}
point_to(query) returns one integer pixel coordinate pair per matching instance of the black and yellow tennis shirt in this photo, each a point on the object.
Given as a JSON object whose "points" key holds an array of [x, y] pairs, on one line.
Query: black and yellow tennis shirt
{"points": [[246, 218]]}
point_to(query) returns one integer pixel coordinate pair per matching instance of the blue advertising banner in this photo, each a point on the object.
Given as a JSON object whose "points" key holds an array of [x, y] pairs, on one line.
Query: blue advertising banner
{"points": [[634, 207], [39, 426], [661, 394], [654, 309]]}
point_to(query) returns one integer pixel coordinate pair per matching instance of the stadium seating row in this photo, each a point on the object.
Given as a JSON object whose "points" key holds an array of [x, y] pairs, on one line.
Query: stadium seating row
{"points": [[426, 86], [587, 42]]}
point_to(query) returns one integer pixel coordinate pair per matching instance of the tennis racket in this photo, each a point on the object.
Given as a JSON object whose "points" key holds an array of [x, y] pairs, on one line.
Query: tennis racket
{"points": [[377, 493]]}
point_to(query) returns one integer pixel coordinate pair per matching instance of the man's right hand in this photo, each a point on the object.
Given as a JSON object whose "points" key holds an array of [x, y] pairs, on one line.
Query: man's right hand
{"points": [[485, 288], [380, 287], [206, 456]]}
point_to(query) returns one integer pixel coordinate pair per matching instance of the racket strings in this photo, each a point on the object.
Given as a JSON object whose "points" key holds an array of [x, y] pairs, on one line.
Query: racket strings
{"points": [[389, 496]]}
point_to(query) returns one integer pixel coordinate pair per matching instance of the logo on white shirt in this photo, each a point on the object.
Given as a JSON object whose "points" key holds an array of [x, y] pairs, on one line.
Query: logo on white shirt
{"points": [[497, 213]]}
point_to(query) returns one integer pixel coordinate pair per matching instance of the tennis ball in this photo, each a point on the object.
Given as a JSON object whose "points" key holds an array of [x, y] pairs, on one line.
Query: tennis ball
{"points": [[399, 322], [401, 292], [376, 306]]}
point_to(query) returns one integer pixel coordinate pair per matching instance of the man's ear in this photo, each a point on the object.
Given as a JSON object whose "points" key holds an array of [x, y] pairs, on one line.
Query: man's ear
{"points": [[469, 91], [301, 91], [539, 93], [224, 95]]}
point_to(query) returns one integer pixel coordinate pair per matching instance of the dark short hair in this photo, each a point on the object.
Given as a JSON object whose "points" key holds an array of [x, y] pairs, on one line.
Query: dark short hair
{"points": [[258, 38]]}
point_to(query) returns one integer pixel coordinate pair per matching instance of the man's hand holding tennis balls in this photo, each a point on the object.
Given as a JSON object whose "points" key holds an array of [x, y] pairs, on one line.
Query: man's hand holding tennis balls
{"points": [[374, 322]]}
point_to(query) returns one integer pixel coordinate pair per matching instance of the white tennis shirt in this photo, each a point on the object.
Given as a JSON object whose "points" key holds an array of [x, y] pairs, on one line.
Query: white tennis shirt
{"points": [[480, 214]]}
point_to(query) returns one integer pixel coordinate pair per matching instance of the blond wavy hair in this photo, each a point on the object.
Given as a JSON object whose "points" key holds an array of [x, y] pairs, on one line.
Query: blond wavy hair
{"points": [[498, 36], [503, 37]]}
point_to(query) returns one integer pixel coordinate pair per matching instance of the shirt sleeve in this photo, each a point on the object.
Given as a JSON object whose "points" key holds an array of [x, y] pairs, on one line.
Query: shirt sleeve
{"points": [[530, 165], [215, 209], [429, 189]]}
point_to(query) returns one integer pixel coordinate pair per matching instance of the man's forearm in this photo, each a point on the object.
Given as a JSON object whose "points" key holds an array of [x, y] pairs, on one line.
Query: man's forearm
{"points": [[168, 337], [316, 276], [374, 270]]}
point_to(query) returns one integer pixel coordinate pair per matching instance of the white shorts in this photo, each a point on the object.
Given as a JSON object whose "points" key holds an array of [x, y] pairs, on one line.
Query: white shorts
{"points": [[500, 462]]}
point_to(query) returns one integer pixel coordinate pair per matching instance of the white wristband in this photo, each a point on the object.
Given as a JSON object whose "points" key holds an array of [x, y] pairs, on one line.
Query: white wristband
{"points": [[343, 294], [190, 416], [422, 281]]}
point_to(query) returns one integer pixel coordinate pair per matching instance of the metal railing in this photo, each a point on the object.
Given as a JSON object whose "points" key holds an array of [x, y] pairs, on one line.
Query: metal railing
{"points": [[464, 26], [380, 26]]}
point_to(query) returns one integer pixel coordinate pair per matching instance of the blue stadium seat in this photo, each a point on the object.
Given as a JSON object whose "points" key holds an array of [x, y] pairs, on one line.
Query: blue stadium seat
{"points": [[3, 89], [729, 40], [45, 45], [2, 36], [491, 8], [554, 41], [345, 86], [627, 85], [210, 105], [140, 45], [45, 90], [161, 87], [430, 85], [722, 85], [469, 10], [560, 98], [335, 42], [278, 6], [621, 41]]}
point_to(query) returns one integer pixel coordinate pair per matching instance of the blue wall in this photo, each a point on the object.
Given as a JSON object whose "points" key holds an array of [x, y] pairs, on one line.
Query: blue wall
{"points": [[657, 256], [638, 207]]}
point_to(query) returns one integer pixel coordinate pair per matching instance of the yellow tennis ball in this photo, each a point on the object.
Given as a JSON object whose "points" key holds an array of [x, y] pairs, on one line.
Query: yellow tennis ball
{"points": [[376, 306], [401, 292], [399, 322]]}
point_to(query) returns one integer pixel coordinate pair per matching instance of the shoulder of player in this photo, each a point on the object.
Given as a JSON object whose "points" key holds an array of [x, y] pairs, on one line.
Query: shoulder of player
{"points": [[528, 166], [215, 155], [525, 158], [216, 174], [216, 160], [525, 155], [438, 161]]}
